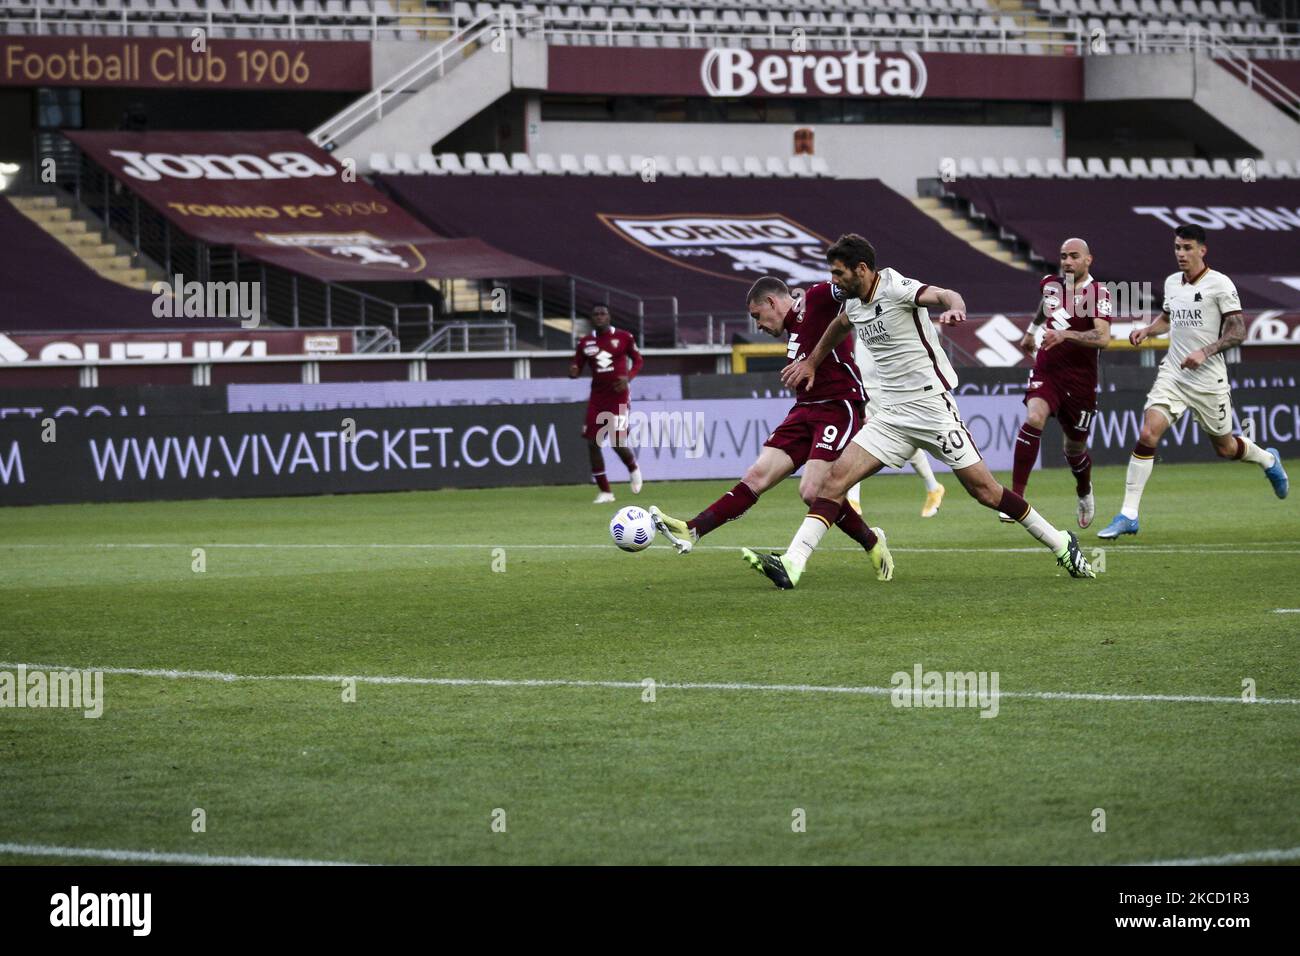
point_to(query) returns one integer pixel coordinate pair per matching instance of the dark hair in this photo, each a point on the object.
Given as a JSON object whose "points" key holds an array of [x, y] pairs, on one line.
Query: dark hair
{"points": [[1195, 233], [851, 249], [768, 285], [599, 305]]}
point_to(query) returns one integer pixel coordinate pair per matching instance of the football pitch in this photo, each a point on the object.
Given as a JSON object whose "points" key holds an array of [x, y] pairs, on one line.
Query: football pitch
{"points": [[500, 646]]}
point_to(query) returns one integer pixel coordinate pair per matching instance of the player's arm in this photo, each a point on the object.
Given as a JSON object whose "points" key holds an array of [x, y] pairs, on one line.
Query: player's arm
{"points": [[1098, 337], [579, 359], [1234, 333], [805, 371], [635, 361], [1027, 340], [953, 305], [1159, 327]]}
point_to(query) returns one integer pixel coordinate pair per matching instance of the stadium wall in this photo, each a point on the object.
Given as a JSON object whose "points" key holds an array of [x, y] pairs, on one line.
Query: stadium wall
{"points": [[896, 154]]}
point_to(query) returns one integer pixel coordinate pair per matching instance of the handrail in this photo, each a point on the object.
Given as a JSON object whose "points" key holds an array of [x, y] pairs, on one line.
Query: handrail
{"points": [[372, 104], [1258, 79]]}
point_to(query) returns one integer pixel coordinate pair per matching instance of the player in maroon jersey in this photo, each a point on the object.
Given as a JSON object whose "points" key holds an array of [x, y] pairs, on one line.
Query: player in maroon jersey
{"points": [[1077, 311], [615, 361], [813, 433]]}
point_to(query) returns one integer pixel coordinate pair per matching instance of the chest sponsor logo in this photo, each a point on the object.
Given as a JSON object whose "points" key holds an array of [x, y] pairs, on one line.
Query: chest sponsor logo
{"points": [[739, 248]]}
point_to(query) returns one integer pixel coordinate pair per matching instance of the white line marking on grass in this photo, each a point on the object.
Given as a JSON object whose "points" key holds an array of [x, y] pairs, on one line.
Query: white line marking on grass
{"points": [[171, 674], [1228, 859], [717, 549], [1286, 610], [152, 856]]}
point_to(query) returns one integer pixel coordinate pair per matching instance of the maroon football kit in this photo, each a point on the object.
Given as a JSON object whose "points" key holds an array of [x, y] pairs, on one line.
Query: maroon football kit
{"points": [[613, 356], [1065, 376], [826, 416]]}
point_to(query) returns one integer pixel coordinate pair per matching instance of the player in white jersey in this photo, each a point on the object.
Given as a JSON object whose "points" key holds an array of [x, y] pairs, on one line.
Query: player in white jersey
{"points": [[1202, 314], [920, 462], [917, 409]]}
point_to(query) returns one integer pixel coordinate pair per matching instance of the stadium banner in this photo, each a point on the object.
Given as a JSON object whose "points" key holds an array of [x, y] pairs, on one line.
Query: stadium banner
{"points": [[1252, 227], [173, 63], [160, 345], [35, 404], [476, 391], [279, 198], [237, 456], [993, 340], [718, 438], [736, 72]]}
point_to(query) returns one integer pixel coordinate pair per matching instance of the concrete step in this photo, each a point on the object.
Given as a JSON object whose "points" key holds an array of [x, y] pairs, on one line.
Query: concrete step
{"points": [[125, 276], [26, 203]]}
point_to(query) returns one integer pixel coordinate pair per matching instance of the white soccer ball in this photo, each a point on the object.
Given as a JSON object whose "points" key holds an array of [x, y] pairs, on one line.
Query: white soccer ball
{"points": [[632, 529]]}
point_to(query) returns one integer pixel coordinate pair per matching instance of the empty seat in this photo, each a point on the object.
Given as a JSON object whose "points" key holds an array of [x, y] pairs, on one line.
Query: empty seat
{"points": [[1011, 167], [1284, 169], [1160, 168], [475, 163], [989, 167], [1223, 169], [709, 167], [1074, 167], [1119, 169], [800, 167], [1263, 168], [592, 165], [663, 166], [428, 164], [686, 165], [752, 166], [379, 164], [570, 166], [523, 164], [775, 167], [1140, 168], [819, 166], [451, 162], [498, 163], [545, 163], [1097, 169], [616, 164], [1201, 169], [967, 168], [731, 166], [403, 163], [1182, 169], [1056, 169], [1034, 167]]}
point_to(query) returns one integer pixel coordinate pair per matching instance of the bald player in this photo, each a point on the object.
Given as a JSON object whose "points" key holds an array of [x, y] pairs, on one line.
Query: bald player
{"points": [[1063, 385]]}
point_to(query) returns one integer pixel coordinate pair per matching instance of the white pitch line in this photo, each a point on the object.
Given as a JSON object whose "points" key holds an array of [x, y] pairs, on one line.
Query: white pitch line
{"points": [[152, 856], [719, 549], [1229, 859], [225, 677], [1286, 610]]}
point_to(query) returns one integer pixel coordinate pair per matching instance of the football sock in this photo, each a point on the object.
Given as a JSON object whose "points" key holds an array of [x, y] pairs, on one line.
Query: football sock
{"points": [[1026, 454], [625, 455], [820, 517], [921, 463], [1247, 450], [601, 481], [1139, 470], [1047, 535], [851, 523], [1081, 465], [727, 508]]}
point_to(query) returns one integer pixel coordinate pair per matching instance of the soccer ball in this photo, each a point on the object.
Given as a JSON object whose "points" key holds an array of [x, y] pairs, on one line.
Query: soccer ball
{"points": [[632, 529]]}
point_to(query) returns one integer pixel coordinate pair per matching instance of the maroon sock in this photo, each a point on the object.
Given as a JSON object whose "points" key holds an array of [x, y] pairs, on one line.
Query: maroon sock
{"points": [[1026, 455], [1081, 465], [1143, 451], [727, 508], [601, 481], [1012, 505], [851, 523], [628, 459]]}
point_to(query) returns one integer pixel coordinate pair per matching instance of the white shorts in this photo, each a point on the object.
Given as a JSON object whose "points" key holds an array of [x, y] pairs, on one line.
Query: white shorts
{"points": [[895, 433], [1171, 398]]}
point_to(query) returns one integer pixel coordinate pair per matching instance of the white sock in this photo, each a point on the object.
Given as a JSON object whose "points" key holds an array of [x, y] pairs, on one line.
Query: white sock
{"points": [[855, 494], [805, 541], [1255, 454], [1041, 529], [921, 463], [1139, 470]]}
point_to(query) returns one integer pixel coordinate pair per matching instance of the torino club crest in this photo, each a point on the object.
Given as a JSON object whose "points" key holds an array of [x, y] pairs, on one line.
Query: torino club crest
{"points": [[741, 248], [356, 247]]}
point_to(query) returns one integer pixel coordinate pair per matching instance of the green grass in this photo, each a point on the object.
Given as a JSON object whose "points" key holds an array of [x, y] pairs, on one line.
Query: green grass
{"points": [[411, 774]]}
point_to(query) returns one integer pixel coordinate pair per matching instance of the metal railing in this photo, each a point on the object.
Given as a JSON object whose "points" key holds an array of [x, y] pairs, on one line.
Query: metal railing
{"points": [[1256, 78], [433, 65], [496, 336]]}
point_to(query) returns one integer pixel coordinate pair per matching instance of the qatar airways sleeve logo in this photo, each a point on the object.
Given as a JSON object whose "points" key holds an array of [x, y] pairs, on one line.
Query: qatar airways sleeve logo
{"points": [[736, 72]]}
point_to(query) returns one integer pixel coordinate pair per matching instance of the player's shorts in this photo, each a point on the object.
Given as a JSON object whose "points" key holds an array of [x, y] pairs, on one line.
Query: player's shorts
{"points": [[1171, 397], [817, 431], [1075, 411], [607, 414], [895, 433]]}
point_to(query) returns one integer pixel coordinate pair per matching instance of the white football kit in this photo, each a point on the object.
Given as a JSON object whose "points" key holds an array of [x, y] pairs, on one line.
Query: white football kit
{"points": [[911, 402], [1195, 310]]}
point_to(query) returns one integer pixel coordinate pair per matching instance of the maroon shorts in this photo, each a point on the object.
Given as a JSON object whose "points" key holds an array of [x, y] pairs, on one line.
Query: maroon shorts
{"points": [[817, 430], [1073, 409], [608, 410]]}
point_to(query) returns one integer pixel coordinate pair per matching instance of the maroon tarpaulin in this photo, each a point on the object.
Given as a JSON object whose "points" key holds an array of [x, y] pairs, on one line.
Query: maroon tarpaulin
{"points": [[706, 240], [1252, 228], [277, 197]]}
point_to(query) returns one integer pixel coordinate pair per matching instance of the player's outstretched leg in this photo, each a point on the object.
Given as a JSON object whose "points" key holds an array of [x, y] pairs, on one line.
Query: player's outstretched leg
{"points": [[1241, 448], [678, 532], [934, 491], [633, 469], [984, 488]]}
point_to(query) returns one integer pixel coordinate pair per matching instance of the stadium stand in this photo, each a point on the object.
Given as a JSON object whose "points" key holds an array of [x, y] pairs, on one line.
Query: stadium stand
{"points": [[1252, 226], [1136, 168], [1052, 26], [47, 286], [591, 164]]}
